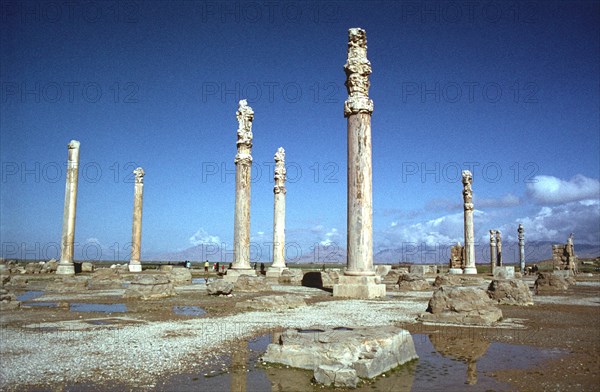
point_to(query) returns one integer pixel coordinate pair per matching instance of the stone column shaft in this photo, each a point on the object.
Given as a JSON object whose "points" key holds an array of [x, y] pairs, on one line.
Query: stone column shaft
{"points": [[467, 180], [66, 266], [499, 247], [521, 236], [493, 250], [279, 211], [243, 166], [136, 228]]}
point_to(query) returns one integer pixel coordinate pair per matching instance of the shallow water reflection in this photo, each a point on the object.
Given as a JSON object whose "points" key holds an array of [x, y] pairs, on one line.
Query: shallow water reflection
{"points": [[29, 295], [100, 308], [189, 310]]}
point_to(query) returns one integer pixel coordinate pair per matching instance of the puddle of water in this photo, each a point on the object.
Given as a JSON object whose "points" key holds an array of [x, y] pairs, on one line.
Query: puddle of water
{"points": [[29, 295], [189, 310], [202, 280], [310, 331], [42, 304], [101, 308]]}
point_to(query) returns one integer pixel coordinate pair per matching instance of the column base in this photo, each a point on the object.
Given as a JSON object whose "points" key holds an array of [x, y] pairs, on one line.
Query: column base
{"points": [[65, 268], [365, 287], [275, 272], [135, 266], [470, 270], [455, 271], [233, 274]]}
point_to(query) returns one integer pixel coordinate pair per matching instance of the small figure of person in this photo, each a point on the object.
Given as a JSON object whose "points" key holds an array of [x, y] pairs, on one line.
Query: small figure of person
{"points": [[206, 266], [262, 268], [255, 266], [223, 269], [217, 267]]}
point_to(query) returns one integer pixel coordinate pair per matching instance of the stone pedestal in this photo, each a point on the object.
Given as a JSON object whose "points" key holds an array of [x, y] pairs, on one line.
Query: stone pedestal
{"points": [[274, 272], [66, 266], [455, 271], [467, 180], [359, 287], [504, 272], [243, 165], [136, 230], [233, 274]]}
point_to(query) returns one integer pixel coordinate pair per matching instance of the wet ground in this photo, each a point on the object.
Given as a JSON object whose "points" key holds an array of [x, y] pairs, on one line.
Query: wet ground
{"points": [[553, 345]]}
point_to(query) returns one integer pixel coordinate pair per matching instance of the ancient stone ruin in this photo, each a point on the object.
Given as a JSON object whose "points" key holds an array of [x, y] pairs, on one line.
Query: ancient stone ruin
{"points": [[467, 180], [457, 259], [359, 280], [66, 266], [563, 256], [136, 229], [279, 190]]}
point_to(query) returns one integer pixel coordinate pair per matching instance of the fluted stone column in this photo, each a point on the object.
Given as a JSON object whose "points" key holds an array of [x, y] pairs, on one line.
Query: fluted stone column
{"points": [[493, 250], [136, 228], [278, 216], [66, 266], [467, 180], [243, 166], [359, 277], [499, 247], [521, 236]]}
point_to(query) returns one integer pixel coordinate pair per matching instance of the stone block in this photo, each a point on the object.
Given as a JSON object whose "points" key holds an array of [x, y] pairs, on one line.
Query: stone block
{"points": [[150, 286], [359, 287], [455, 271], [87, 267], [219, 287], [504, 272], [232, 275], [180, 276], [336, 375], [462, 305], [510, 292], [291, 276]]}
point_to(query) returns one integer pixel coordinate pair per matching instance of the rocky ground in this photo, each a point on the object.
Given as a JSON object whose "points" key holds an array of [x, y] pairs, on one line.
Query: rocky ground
{"points": [[48, 348]]}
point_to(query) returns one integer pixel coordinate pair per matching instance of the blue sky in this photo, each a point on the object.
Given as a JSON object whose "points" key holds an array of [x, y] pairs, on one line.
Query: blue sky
{"points": [[509, 90]]}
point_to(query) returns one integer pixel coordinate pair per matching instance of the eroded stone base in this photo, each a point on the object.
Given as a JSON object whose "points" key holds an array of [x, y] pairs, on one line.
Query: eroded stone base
{"points": [[470, 270], [135, 267], [274, 272], [233, 274], [65, 269], [359, 287], [455, 271], [504, 272]]}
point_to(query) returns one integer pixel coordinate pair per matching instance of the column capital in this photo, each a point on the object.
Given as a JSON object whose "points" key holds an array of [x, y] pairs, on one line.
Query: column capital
{"points": [[139, 175], [245, 116], [358, 69], [280, 172]]}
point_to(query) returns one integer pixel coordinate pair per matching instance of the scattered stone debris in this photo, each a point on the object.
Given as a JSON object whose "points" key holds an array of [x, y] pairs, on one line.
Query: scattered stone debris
{"points": [[510, 292], [150, 286], [548, 282], [457, 280], [219, 287], [413, 282], [291, 276], [462, 305], [273, 302], [252, 284]]}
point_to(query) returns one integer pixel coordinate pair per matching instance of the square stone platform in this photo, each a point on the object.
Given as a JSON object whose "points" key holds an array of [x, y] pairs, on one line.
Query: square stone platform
{"points": [[365, 287], [274, 272], [232, 275]]}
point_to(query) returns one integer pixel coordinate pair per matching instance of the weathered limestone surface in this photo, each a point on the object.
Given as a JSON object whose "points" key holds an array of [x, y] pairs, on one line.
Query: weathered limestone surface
{"points": [[504, 272], [336, 375], [330, 277], [243, 165], [457, 259], [69, 284], [510, 292], [467, 180], [499, 248], [251, 283], [382, 269], [422, 269], [457, 280], [493, 250], [106, 279], [358, 109], [548, 282], [291, 276], [367, 351], [462, 305], [150, 286], [8, 300], [413, 282], [273, 302], [219, 287], [278, 216], [564, 257], [66, 266], [87, 267], [180, 276], [136, 227]]}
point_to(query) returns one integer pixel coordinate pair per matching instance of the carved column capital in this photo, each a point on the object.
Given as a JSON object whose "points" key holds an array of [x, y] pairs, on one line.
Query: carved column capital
{"points": [[139, 175], [358, 69], [245, 116], [280, 172]]}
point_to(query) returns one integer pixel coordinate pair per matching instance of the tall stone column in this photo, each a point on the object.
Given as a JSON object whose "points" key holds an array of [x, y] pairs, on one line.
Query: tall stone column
{"points": [[499, 247], [521, 236], [467, 180], [278, 216], [136, 228], [66, 266], [493, 250], [358, 109], [243, 166]]}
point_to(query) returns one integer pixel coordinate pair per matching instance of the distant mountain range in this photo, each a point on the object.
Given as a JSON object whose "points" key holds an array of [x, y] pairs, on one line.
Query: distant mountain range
{"points": [[534, 251]]}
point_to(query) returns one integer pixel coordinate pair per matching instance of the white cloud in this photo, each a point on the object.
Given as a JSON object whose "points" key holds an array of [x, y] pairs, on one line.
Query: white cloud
{"points": [[202, 237], [553, 190], [508, 200], [331, 237], [557, 222], [93, 239]]}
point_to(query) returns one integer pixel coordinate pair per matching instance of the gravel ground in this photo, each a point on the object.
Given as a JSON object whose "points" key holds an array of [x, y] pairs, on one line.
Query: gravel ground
{"points": [[48, 352]]}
